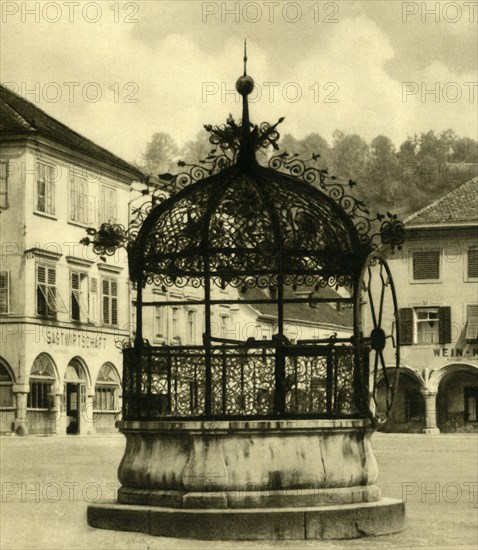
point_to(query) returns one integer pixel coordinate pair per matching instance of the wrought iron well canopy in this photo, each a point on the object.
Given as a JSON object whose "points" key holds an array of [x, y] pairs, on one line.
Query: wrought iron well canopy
{"points": [[231, 222]]}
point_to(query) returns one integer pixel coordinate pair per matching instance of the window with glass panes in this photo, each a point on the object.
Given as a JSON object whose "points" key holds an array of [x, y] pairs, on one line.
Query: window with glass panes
{"points": [[109, 289], [79, 199], [106, 389], [175, 322], [159, 322], [224, 325], [6, 388], [42, 377], [45, 188], [108, 205], [427, 320], [192, 326]]}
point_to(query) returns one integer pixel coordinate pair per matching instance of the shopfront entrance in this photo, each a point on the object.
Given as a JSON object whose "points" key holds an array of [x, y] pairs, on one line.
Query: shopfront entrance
{"points": [[75, 396]]}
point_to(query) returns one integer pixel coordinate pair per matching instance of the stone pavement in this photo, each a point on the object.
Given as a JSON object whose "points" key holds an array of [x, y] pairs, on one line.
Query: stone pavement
{"points": [[47, 483]]}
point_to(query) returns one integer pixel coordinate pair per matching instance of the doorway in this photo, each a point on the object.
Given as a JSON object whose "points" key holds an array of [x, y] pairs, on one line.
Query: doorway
{"points": [[72, 408], [471, 404]]}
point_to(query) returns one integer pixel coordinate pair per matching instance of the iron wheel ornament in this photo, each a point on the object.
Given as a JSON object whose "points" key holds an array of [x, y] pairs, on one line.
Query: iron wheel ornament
{"points": [[377, 327]]}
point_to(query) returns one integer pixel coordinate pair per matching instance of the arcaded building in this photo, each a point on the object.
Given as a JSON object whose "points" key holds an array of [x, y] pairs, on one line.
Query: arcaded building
{"points": [[437, 286], [63, 311]]}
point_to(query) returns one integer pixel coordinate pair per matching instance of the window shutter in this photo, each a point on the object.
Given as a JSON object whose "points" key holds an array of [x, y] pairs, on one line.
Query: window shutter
{"points": [[472, 324], [51, 276], [106, 301], [473, 262], [444, 324], [4, 292], [94, 285], [405, 316], [114, 311], [114, 303], [75, 281], [41, 274], [426, 265], [50, 190]]}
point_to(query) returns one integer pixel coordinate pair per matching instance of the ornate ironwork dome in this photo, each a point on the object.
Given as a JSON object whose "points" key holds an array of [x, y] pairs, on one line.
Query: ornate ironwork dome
{"points": [[246, 226]]}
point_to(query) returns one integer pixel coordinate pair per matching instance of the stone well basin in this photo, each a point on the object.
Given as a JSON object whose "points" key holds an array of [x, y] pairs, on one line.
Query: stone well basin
{"points": [[247, 464]]}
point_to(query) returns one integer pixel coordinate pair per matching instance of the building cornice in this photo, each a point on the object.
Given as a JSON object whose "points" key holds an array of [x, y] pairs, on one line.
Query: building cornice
{"points": [[43, 254], [108, 268], [80, 262]]}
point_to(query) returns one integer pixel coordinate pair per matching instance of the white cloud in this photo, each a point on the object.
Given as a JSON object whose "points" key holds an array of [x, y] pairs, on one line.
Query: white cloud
{"points": [[168, 78]]}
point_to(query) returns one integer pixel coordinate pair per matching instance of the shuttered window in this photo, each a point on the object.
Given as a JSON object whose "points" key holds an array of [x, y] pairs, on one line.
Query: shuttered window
{"points": [[46, 291], [110, 302], [93, 300], [4, 184], [4, 292], [45, 188], [426, 265], [472, 263], [79, 296], [49, 301], [472, 324], [425, 325]]}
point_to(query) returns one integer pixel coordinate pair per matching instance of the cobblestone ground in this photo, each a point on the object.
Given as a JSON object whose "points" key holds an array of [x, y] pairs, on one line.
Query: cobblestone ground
{"points": [[47, 483]]}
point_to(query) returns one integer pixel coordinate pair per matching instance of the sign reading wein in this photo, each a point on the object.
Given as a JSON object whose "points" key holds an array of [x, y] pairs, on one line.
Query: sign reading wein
{"points": [[455, 352]]}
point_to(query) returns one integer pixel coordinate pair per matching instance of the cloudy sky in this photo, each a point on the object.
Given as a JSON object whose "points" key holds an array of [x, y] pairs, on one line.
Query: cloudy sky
{"points": [[119, 71]]}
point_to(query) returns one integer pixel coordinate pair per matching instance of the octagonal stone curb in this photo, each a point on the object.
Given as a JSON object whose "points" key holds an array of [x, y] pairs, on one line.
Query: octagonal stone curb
{"points": [[345, 521]]}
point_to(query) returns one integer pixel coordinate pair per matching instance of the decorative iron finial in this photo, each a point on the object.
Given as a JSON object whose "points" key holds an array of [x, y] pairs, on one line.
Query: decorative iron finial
{"points": [[245, 85]]}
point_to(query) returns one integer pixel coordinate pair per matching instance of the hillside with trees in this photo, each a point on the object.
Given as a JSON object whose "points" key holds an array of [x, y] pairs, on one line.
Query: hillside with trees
{"points": [[423, 168]]}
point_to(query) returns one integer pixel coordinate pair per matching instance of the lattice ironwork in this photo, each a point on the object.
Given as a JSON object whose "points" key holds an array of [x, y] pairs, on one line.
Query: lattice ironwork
{"points": [[169, 382]]}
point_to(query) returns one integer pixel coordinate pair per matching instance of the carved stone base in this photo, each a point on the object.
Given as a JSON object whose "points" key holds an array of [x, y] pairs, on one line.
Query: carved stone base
{"points": [[345, 521], [253, 464]]}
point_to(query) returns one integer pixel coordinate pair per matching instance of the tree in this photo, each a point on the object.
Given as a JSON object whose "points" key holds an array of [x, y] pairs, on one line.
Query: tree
{"points": [[312, 144], [432, 165], [350, 156], [161, 154], [381, 187], [198, 149]]}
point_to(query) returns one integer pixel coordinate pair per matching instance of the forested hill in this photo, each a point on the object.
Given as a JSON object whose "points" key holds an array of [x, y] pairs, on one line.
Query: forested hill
{"points": [[423, 168]]}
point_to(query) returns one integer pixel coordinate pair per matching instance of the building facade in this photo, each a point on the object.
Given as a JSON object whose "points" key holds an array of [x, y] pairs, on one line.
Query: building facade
{"points": [[437, 287], [63, 310]]}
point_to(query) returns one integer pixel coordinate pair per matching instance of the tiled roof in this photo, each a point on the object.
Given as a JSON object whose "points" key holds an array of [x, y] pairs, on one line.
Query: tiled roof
{"points": [[19, 116], [322, 313], [458, 206]]}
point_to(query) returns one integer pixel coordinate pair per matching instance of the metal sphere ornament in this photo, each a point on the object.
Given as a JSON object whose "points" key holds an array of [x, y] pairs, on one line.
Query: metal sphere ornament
{"points": [[245, 85]]}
